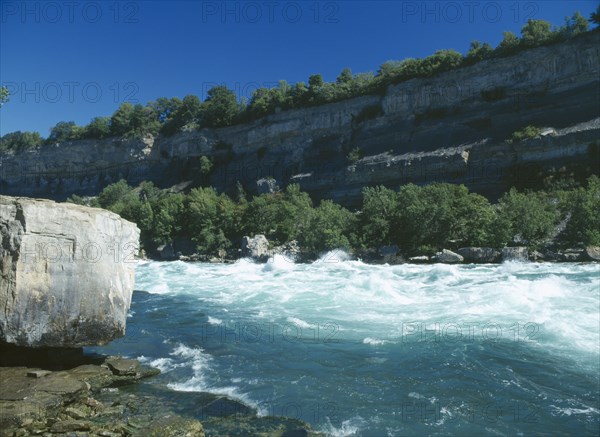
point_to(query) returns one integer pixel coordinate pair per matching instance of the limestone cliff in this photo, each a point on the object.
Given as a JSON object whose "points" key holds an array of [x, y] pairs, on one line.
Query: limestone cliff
{"points": [[66, 273], [450, 127]]}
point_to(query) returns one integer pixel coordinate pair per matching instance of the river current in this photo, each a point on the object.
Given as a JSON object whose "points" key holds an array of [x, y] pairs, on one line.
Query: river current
{"points": [[378, 350]]}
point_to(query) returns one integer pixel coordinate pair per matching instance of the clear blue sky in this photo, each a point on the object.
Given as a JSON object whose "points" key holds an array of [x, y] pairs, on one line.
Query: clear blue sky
{"points": [[73, 60]]}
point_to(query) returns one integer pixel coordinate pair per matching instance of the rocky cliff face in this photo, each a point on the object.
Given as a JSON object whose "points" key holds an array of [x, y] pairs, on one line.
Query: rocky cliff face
{"points": [[450, 127], [66, 273]]}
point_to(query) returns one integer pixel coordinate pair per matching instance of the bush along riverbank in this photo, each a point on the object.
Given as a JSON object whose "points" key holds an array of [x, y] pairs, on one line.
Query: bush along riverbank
{"points": [[434, 223]]}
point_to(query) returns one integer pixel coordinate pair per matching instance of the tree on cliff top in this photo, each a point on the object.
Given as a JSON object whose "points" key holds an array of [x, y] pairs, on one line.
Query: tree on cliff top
{"points": [[134, 121], [3, 95], [64, 131], [220, 107], [536, 32], [595, 16], [20, 141], [98, 128]]}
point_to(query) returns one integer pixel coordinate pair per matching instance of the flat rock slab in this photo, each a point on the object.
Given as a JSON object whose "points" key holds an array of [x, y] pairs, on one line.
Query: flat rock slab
{"points": [[173, 426], [123, 367], [63, 383], [38, 373]]}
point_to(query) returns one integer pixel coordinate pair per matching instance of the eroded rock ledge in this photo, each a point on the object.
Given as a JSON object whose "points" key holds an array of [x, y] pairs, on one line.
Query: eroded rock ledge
{"points": [[67, 273], [107, 399]]}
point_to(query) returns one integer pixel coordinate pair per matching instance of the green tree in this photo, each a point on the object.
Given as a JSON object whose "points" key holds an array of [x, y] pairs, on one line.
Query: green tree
{"points": [[98, 128], [582, 206], [442, 60], [260, 103], [165, 108], [575, 25], [220, 107], [345, 76], [354, 155], [330, 226], [536, 32], [4, 95], [212, 219], [113, 194], [20, 141], [509, 44], [205, 164], [379, 216], [439, 215], [478, 52], [529, 218], [134, 121], [527, 133], [595, 16], [64, 131], [120, 122], [280, 216], [168, 217], [143, 121], [184, 113], [316, 89]]}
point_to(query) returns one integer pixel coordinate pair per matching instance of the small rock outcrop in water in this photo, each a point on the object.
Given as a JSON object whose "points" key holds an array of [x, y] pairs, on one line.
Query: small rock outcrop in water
{"points": [[515, 254], [593, 253], [448, 257], [256, 247], [67, 273], [479, 254]]}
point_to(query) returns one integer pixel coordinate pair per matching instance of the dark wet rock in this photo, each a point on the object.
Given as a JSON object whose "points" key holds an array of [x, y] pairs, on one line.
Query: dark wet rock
{"points": [[536, 256], [572, 255], [70, 426], [479, 255], [166, 252], [519, 253], [391, 255], [268, 426]]}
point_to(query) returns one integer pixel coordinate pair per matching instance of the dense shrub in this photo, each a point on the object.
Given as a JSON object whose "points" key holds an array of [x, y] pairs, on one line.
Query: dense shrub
{"points": [[330, 226], [280, 216], [581, 206], [526, 218], [420, 220], [20, 141], [212, 219], [526, 133]]}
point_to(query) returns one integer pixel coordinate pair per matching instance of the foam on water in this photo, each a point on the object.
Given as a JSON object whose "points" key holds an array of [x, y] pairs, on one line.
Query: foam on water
{"points": [[512, 308]]}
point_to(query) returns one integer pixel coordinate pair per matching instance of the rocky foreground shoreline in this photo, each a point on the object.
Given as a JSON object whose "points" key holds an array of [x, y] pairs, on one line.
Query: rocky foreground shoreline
{"points": [[103, 397]]}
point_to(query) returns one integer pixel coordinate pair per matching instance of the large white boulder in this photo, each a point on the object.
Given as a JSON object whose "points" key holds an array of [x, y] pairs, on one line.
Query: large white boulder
{"points": [[66, 273]]}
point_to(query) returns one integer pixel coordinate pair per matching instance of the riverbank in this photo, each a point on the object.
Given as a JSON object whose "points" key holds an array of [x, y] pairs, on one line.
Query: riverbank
{"points": [[259, 249], [68, 393]]}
